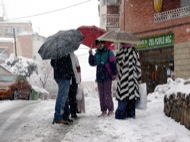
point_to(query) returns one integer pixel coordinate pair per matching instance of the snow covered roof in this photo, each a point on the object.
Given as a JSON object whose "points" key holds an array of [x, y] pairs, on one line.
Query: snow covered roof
{"points": [[17, 21], [3, 39], [4, 70]]}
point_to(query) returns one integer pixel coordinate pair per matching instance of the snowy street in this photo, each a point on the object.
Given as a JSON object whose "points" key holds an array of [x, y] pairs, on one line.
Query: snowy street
{"points": [[31, 121], [21, 118], [14, 117]]}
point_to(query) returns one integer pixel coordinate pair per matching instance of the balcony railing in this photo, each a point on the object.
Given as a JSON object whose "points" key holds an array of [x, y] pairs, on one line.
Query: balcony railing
{"points": [[172, 14], [112, 20]]}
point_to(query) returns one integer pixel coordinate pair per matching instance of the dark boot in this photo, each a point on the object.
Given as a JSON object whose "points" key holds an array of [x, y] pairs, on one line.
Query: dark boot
{"points": [[131, 109], [74, 116]]}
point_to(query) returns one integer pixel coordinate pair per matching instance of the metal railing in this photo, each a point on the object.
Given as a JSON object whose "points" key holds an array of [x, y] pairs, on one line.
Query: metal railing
{"points": [[172, 14], [112, 20]]}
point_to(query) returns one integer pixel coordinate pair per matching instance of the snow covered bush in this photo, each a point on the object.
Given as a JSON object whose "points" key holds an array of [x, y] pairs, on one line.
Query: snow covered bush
{"points": [[20, 65]]}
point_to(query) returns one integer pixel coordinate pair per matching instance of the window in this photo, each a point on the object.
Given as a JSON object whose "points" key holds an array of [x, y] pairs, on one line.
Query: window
{"points": [[9, 30]]}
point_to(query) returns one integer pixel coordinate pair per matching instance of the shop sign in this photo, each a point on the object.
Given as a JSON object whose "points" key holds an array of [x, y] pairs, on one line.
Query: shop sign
{"points": [[156, 41]]}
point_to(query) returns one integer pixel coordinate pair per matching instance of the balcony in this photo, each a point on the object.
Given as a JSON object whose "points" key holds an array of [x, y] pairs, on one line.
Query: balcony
{"points": [[172, 14], [112, 20]]}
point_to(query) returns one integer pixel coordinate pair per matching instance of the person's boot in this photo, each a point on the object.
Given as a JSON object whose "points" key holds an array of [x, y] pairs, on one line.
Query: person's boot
{"points": [[110, 113], [70, 120], [74, 116], [66, 122], [104, 113]]}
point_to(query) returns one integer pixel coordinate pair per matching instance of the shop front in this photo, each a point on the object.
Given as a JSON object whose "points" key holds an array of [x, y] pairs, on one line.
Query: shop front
{"points": [[157, 60]]}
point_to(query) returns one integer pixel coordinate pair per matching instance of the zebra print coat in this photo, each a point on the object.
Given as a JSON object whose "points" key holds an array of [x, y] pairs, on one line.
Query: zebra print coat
{"points": [[129, 74]]}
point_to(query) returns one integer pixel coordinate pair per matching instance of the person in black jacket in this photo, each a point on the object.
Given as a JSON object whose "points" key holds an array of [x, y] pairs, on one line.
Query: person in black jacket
{"points": [[63, 73]]}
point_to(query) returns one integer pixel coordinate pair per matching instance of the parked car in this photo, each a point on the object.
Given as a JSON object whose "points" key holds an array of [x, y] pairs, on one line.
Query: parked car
{"points": [[14, 87]]}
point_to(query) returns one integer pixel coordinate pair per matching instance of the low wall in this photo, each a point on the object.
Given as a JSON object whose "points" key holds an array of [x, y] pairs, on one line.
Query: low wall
{"points": [[177, 106]]}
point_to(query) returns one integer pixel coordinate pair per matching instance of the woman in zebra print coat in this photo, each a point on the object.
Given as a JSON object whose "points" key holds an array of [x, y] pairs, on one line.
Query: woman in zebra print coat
{"points": [[129, 76]]}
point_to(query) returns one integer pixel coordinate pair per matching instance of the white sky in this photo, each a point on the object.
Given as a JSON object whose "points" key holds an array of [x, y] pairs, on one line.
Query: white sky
{"points": [[88, 73], [150, 125], [74, 13]]}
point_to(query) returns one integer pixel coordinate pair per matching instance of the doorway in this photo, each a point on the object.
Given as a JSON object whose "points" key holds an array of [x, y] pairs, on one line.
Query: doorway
{"points": [[157, 65]]}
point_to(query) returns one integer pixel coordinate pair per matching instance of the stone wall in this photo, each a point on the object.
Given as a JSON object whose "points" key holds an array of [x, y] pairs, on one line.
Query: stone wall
{"points": [[177, 106]]}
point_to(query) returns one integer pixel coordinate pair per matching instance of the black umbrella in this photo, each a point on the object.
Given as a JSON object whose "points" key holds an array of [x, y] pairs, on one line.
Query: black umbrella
{"points": [[60, 44]]}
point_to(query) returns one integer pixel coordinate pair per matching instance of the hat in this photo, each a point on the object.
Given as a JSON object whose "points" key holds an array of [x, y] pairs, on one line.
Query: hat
{"points": [[99, 41]]}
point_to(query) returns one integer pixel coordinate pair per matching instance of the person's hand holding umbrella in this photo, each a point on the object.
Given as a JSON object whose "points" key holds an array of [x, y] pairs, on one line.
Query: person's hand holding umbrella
{"points": [[90, 51]]}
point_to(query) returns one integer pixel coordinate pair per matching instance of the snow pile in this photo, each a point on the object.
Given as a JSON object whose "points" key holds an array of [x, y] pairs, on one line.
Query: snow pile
{"points": [[173, 87], [40, 90], [20, 65]]}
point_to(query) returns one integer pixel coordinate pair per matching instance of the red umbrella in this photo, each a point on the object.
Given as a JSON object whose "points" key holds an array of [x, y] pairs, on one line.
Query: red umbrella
{"points": [[91, 33], [111, 47]]}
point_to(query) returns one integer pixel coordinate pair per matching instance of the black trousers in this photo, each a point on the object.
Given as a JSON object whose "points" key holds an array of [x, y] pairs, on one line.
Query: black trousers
{"points": [[72, 97]]}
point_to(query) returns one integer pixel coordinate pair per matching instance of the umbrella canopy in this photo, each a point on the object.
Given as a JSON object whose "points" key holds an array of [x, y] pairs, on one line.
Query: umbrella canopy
{"points": [[60, 44], [111, 47], [119, 36], [91, 33]]}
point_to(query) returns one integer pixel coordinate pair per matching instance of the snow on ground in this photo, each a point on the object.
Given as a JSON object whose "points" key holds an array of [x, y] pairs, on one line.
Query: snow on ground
{"points": [[150, 125]]}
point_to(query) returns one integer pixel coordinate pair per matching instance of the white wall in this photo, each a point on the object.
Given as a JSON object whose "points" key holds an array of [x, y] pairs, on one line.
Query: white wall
{"points": [[37, 42]]}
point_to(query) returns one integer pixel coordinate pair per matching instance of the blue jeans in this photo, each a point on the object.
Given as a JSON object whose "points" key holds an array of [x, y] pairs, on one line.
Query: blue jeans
{"points": [[61, 108]]}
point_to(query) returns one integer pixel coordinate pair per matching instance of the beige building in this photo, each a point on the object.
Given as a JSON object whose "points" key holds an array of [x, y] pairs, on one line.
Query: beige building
{"points": [[37, 42], [17, 37], [164, 28], [4, 71]]}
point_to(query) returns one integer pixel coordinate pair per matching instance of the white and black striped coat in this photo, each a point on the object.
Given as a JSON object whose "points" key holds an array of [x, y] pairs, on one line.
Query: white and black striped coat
{"points": [[129, 74]]}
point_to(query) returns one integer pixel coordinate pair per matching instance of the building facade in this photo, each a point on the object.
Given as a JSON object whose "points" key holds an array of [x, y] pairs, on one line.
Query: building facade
{"points": [[164, 27], [20, 33], [37, 43], [109, 14], [18, 38]]}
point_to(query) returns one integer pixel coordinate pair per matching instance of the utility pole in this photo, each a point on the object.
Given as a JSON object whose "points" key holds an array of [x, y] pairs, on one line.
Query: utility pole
{"points": [[15, 41]]}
